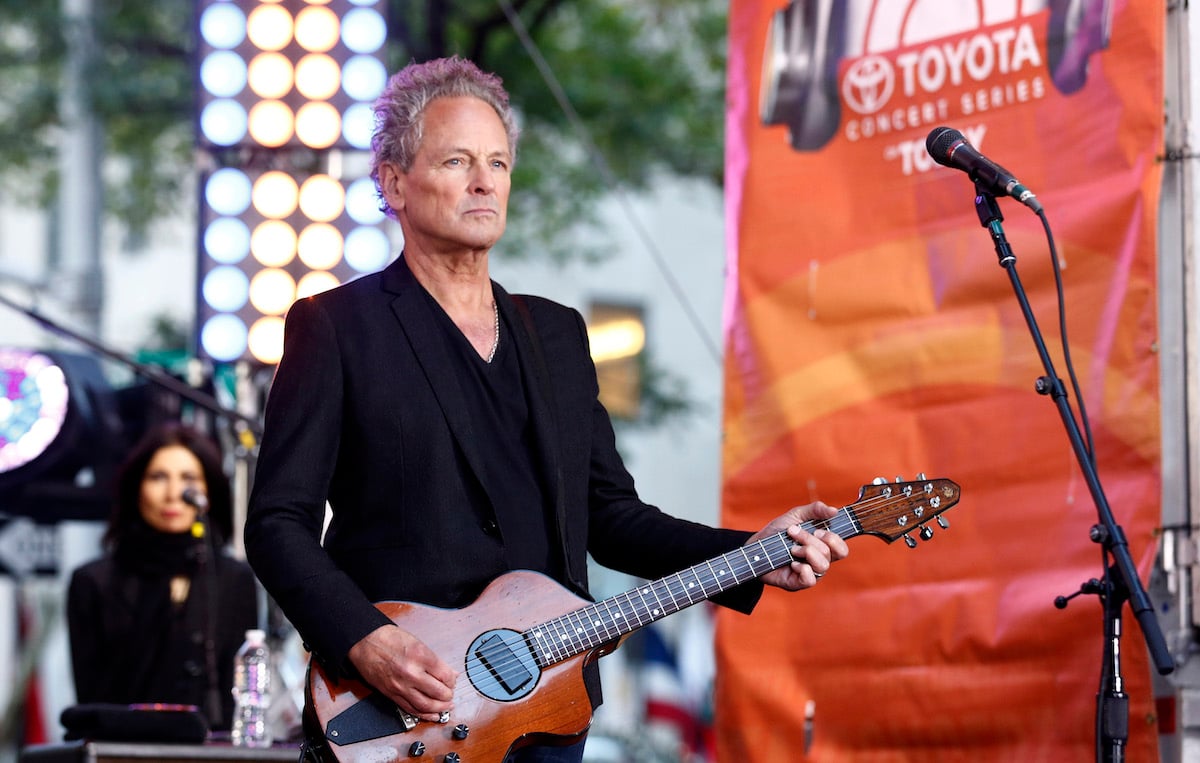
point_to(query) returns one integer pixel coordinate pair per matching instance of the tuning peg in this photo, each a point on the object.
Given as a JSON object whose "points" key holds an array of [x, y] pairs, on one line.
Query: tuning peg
{"points": [[899, 478], [908, 541], [942, 523], [920, 477], [926, 532], [879, 481]]}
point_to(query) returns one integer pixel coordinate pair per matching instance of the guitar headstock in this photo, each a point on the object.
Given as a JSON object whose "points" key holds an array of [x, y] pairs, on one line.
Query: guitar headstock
{"points": [[893, 510]]}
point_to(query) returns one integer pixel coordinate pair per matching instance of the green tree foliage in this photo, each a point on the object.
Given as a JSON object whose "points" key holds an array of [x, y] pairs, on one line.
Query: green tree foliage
{"points": [[644, 76], [140, 82]]}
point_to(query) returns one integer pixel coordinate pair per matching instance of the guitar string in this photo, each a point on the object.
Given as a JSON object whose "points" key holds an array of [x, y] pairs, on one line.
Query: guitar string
{"points": [[587, 632]]}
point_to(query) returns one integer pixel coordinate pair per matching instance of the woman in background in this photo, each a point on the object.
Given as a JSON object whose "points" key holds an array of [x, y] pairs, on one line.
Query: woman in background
{"points": [[141, 617]]}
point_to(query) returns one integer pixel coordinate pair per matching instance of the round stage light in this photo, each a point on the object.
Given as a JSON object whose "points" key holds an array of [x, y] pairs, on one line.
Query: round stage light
{"points": [[223, 122], [318, 124], [225, 288], [270, 75], [273, 243], [358, 126], [320, 246], [275, 194], [315, 283], [272, 291], [363, 78], [227, 191], [33, 406], [367, 249], [271, 123], [223, 73], [364, 30], [223, 26], [322, 198], [362, 202], [227, 240], [318, 77], [266, 340], [317, 29], [269, 27], [223, 337]]}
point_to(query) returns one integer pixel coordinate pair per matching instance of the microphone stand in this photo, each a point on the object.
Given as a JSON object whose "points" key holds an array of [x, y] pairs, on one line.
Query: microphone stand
{"points": [[1120, 582], [207, 553], [149, 373]]}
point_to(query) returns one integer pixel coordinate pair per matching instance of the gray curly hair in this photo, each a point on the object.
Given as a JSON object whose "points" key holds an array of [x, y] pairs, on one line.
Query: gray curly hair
{"points": [[400, 109]]}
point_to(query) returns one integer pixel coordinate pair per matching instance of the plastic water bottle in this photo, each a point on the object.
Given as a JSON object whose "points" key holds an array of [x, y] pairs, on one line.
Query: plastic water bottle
{"points": [[251, 692]]}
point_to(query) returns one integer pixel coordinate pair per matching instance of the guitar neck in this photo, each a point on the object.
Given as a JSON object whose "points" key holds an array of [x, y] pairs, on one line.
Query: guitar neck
{"points": [[610, 619]]}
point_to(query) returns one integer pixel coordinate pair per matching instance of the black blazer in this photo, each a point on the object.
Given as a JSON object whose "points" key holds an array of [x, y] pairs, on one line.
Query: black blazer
{"points": [[365, 410]]}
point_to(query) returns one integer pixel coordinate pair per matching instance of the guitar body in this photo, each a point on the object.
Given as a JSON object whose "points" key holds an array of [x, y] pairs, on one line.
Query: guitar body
{"points": [[521, 647], [537, 705]]}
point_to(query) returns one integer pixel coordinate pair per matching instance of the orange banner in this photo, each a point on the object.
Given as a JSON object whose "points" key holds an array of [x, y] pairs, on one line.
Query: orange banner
{"points": [[871, 331]]}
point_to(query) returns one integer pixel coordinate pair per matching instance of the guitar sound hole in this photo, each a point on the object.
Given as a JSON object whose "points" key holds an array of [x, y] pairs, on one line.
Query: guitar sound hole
{"points": [[501, 666]]}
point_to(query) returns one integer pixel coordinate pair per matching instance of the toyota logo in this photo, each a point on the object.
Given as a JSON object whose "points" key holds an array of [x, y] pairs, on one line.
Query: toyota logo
{"points": [[868, 84]]}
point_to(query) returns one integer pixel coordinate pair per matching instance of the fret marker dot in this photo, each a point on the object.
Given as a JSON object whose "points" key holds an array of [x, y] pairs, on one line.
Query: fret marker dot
{"points": [[596, 623], [655, 611]]}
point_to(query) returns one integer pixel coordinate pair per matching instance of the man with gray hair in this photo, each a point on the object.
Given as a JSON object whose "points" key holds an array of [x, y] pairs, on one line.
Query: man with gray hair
{"points": [[456, 433]]}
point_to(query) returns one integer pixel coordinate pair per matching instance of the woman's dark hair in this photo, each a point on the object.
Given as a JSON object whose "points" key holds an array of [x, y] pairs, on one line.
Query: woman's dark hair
{"points": [[126, 511]]}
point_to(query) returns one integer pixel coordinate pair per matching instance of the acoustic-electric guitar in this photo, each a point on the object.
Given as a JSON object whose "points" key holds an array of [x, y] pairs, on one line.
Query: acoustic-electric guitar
{"points": [[522, 645]]}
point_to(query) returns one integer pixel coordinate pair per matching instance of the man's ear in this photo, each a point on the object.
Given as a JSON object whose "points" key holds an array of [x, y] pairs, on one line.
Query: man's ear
{"points": [[391, 185]]}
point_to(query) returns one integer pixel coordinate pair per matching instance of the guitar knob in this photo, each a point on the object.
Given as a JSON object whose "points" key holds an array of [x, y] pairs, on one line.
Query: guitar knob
{"points": [[926, 532], [451, 757], [416, 749], [461, 731], [908, 541]]}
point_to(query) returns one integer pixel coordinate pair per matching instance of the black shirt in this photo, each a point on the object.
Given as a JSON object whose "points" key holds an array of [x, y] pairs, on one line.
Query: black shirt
{"points": [[499, 412]]}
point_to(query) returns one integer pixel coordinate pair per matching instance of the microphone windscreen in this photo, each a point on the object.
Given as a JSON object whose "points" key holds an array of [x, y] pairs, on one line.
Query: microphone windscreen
{"points": [[940, 141]]}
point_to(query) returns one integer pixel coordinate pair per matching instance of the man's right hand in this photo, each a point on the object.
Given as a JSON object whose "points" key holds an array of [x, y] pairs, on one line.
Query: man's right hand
{"points": [[406, 671]]}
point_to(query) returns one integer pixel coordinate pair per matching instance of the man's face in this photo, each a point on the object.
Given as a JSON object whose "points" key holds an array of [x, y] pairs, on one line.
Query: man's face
{"points": [[454, 199]]}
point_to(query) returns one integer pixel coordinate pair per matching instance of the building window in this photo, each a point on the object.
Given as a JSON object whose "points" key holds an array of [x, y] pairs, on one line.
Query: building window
{"points": [[617, 334]]}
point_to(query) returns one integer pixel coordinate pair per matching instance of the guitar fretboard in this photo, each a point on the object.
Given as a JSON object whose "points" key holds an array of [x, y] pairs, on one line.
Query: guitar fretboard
{"points": [[589, 627]]}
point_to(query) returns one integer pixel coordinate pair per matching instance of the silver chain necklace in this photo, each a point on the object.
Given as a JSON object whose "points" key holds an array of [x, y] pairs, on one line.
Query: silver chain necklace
{"points": [[496, 331]]}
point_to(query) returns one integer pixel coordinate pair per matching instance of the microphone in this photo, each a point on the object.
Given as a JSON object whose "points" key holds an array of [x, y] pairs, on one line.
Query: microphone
{"points": [[194, 498], [949, 148]]}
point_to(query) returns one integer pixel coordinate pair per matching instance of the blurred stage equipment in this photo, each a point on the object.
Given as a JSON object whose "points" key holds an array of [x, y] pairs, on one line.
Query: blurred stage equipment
{"points": [[285, 106], [64, 427], [60, 435]]}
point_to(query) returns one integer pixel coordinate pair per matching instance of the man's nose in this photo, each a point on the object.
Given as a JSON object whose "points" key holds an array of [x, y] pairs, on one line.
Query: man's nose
{"points": [[482, 180]]}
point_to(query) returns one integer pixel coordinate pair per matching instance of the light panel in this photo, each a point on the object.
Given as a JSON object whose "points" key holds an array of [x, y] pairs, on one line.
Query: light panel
{"points": [[293, 237], [264, 65], [295, 77]]}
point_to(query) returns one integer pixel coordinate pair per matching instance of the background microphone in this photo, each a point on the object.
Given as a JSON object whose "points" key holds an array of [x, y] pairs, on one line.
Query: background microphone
{"points": [[194, 498], [949, 148]]}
